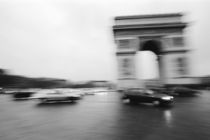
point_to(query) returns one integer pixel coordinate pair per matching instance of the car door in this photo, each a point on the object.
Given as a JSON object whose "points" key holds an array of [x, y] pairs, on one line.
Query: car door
{"points": [[149, 97]]}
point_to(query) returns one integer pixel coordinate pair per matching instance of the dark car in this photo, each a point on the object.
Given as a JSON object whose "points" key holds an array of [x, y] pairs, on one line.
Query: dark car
{"points": [[22, 95], [183, 91], [147, 96]]}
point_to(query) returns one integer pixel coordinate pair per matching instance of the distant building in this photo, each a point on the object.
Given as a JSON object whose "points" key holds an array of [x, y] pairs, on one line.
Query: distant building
{"points": [[151, 83], [102, 84]]}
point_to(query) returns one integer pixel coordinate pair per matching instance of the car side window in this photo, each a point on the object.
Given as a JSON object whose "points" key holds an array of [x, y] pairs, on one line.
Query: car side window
{"points": [[148, 93]]}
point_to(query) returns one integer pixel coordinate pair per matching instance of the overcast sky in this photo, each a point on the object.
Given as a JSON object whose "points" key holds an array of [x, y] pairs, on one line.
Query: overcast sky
{"points": [[73, 39]]}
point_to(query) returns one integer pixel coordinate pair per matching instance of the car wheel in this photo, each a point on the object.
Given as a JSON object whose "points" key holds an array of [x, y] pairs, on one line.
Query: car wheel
{"points": [[156, 103]]}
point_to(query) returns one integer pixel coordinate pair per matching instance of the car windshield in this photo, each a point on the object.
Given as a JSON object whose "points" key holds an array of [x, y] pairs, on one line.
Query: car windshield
{"points": [[149, 93]]}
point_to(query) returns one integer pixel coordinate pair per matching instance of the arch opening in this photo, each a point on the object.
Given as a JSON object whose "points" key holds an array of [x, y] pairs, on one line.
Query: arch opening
{"points": [[147, 65], [151, 45], [149, 60]]}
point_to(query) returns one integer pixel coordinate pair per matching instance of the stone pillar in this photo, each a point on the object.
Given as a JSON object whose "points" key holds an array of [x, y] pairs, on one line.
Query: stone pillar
{"points": [[126, 58], [175, 60], [161, 69]]}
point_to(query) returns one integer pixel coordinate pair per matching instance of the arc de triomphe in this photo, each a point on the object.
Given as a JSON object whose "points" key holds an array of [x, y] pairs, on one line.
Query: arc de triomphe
{"points": [[162, 34]]}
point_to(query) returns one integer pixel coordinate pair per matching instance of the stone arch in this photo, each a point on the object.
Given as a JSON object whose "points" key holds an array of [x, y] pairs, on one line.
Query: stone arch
{"points": [[155, 46], [163, 34], [151, 45]]}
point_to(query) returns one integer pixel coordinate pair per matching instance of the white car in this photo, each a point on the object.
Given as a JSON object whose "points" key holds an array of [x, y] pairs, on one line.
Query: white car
{"points": [[51, 96]]}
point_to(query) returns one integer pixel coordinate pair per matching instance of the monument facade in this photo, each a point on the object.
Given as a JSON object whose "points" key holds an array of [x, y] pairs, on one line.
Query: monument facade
{"points": [[162, 34]]}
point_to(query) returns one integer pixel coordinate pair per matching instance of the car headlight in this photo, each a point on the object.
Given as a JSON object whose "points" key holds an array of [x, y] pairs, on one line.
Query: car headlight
{"points": [[167, 98]]}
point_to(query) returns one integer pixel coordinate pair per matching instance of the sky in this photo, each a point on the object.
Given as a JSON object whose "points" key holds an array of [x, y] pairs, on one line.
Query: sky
{"points": [[73, 39]]}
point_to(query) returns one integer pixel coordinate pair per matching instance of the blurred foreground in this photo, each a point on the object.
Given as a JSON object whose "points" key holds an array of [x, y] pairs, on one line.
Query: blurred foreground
{"points": [[104, 116]]}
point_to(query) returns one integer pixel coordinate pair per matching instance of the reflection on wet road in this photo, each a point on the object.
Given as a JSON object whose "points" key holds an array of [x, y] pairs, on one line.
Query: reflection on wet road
{"points": [[105, 117]]}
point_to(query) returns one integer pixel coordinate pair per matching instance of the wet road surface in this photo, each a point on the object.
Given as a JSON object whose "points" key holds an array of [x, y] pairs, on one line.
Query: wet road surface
{"points": [[105, 117]]}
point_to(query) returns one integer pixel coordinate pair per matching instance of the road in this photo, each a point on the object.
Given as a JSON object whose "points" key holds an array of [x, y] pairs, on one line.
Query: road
{"points": [[105, 117]]}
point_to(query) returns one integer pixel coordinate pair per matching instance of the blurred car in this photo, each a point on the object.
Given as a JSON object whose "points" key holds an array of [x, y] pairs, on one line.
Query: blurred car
{"points": [[52, 96], [1, 90], [138, 95], [183, 91], [22, 95]]}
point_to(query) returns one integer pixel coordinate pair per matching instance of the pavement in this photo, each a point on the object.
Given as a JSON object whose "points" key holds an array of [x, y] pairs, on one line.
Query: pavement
{"points": [[105, 117]]}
